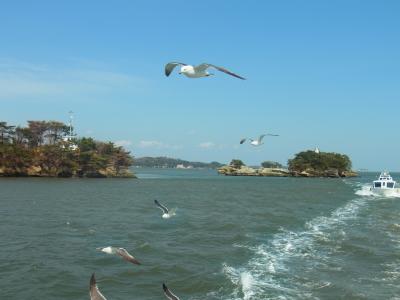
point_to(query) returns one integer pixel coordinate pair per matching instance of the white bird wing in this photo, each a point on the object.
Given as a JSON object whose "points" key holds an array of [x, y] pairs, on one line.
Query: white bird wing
{"points": [[128, 257], [205, 66], [169, 67], [160, 206], [94, 290], [261, 137], [168, 293]]}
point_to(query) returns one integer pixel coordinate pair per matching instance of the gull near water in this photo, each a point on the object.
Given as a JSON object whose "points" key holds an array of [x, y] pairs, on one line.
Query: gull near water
{"points": [[121, 252], [196, 71], [168, 293], [94, 291], [257, 142], [164, 209]]}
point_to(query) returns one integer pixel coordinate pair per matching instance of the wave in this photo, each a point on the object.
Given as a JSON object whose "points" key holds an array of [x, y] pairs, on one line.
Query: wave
{"points": [[365, 190], [278, 267]]}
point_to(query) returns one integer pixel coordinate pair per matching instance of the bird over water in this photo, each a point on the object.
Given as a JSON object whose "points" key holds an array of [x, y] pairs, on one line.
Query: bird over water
{"points": [[94, 291], [121, 252], [166, 214]]}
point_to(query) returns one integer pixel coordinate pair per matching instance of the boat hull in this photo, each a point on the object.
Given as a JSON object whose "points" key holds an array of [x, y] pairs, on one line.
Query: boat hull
{"points": [[386, 192]]}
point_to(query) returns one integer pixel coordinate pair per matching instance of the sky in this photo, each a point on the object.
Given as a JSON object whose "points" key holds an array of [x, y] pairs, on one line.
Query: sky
{"points": [[319, 73]]}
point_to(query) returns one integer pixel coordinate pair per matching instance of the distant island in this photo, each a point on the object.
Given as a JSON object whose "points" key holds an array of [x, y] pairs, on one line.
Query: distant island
{"points": [[47, 149], [304, 164], [167, 162]]}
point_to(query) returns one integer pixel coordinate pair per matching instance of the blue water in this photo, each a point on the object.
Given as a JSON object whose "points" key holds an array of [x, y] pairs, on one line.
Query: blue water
{"points": [[231, 237]]}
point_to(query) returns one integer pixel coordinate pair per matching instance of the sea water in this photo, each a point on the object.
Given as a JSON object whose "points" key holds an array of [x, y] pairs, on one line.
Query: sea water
{"points": [[230, 238]]}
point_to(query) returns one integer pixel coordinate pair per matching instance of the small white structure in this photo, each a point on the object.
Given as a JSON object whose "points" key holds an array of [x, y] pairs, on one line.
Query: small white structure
{"points": [[316, 150], [182, 166], [385, 185], [68, 138]]}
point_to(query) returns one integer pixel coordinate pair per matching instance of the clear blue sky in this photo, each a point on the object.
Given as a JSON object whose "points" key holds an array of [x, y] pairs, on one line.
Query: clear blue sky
{"points": [[320, 73]]}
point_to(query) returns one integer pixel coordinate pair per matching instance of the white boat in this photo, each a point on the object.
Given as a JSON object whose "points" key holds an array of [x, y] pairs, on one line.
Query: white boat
{"points": [[385, 185]]}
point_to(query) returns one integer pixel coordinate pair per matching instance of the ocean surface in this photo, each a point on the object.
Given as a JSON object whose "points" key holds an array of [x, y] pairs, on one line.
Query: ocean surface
{"points": [[231, 238]]}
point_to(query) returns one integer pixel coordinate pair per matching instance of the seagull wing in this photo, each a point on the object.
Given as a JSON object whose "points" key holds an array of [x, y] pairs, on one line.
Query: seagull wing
{"points": [[125, 255], [162, 207], [94, 290], [169, 67], [204, 66], [270, 134], [168, 293], [243, 140], [261, 137]]}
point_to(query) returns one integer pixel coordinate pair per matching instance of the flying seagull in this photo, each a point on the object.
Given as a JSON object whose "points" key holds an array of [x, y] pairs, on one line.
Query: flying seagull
{"points": [[165, 210], [196, 71], [257, 142], [121, 252], [94, 290], [168, 293]]}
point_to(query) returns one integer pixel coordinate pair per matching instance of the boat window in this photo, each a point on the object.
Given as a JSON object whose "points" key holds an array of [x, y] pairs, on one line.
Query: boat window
{"points": [[377, 184], [390, 185]]}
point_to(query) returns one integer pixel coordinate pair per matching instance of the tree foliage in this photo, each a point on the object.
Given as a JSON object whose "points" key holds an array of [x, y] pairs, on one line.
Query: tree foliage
{"points": [[45, 149], [271, 164], [319, 161], [167, 162], [236, 163]]}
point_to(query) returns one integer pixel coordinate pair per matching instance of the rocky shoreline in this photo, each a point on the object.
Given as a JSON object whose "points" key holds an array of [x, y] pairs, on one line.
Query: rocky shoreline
{"points": [[38, 171], [280, 172]]}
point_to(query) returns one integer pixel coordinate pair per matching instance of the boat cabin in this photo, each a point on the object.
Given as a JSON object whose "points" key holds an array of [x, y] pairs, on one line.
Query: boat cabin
{"points": [[385, 181]]}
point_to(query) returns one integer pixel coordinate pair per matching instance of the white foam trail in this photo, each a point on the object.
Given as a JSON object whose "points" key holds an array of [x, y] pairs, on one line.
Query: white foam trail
{"points": [[247, 280], [365, 190], [279, 265]]}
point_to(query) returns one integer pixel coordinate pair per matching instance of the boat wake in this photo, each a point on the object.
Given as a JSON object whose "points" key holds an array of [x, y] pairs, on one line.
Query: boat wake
{"points": [[365, 190], [282, 267]]}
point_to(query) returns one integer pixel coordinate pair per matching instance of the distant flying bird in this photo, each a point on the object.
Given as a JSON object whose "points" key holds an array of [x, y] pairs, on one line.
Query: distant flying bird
{"points": [[168, 293], [257, 142], [121, 252], [165, 210], [94, 291], [196, 71]]}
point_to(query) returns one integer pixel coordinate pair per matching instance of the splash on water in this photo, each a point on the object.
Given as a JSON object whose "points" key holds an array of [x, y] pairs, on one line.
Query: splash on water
{"points": [[365, 190]]}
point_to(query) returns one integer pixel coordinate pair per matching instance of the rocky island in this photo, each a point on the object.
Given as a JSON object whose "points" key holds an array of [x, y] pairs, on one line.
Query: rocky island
{"points": [[304, 164], [46, 149]]}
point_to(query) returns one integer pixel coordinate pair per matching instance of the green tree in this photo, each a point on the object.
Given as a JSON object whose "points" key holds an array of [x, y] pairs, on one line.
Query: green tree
{"points": [[236, 163], [6, 132], [319, 161], [271, 164]]}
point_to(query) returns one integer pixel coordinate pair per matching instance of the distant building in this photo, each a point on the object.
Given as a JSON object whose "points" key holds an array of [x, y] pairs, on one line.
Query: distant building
{"points": [[182, 166], [316, 150]]}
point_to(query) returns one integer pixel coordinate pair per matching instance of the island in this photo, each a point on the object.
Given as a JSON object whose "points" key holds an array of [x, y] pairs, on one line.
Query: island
{"points": [[304, 164], [48, 149], [167, 162]]}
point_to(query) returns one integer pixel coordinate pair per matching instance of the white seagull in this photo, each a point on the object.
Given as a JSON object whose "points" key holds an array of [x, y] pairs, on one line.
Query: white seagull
{"points": [[168, 293], [196, 71], [94, 291], [121, 252], [165, 210], [257, 142]]}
